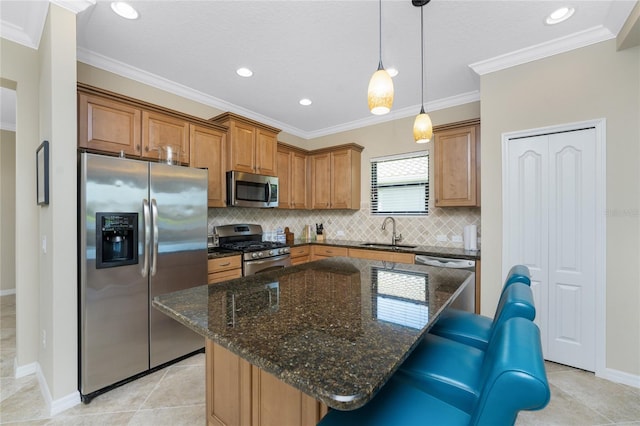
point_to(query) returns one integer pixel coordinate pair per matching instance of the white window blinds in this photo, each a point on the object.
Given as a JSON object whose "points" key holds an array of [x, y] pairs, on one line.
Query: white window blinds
{"points": [[400, 184]]}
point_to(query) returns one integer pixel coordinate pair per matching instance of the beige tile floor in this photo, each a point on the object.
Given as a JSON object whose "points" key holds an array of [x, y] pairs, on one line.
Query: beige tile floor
{"points": [[175, 395]]}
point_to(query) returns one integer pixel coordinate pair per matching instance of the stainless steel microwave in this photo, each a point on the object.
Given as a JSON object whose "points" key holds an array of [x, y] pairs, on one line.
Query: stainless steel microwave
{"points": [[251, 190]]}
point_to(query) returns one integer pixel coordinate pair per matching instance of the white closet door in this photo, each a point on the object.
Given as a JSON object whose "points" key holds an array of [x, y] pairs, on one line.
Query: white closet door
{"points": [[526, 221], [572, 260], [550, 227]]}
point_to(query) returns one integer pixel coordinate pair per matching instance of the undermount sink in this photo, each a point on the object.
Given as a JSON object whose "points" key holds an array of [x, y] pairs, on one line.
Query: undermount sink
{"points": [[389, 246]]}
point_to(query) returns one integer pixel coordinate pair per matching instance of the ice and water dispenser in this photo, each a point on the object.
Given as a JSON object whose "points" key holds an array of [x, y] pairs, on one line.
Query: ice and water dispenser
{"points": [[116, 239]]}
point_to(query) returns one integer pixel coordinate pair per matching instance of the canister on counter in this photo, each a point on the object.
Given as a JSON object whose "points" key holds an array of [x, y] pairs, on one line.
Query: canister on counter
{"points": [[289, 236]]}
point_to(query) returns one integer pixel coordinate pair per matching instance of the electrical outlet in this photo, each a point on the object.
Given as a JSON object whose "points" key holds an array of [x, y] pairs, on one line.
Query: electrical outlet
{"points": [[340, 233], [44, 339], [441, 238], [44, 244], [456, 238]]}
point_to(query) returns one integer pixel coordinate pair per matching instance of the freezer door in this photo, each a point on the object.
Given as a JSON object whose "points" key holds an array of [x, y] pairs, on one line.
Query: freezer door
{"points": [[179, 260], [113, 301]]}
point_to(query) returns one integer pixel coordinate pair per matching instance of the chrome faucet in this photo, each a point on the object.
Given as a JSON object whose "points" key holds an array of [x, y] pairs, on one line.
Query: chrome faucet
{"points": [[394, 238]]}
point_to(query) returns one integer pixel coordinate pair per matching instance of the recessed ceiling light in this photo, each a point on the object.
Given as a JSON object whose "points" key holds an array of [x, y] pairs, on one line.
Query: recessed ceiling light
{"points": [[305, 102], [124, 9], [392, 72], [244, 72], [560, 15]]}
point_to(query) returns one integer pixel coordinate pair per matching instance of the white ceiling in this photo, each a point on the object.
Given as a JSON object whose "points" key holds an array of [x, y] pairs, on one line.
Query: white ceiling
{"points": [[323, 50]]}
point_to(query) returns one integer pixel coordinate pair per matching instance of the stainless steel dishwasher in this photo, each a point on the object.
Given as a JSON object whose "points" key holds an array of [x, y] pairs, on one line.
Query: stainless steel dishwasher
{"points": [[467, 299]]}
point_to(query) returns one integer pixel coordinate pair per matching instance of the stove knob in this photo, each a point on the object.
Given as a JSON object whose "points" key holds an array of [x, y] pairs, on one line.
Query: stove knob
{"points": [[271, 252], [254, 255], [260, 254], [286, 249]]}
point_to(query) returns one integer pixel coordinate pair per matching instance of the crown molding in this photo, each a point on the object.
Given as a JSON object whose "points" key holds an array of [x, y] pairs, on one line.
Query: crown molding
{"points": [[410, 111], [144, 77], [75, 6], [543, 50], [29, 34]]}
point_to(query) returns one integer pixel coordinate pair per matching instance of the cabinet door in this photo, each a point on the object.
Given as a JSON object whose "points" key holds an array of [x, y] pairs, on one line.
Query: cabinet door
{"points": [[108, 125], [207, 150], [298, 186], [266, 153], [321, 181], [159, 130], [341, 181], [455, 170], [242, 148], [284, 178]]}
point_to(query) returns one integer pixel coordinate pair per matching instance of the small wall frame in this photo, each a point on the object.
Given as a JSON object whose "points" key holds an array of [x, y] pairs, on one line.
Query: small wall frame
{"points": [[42, 174]]}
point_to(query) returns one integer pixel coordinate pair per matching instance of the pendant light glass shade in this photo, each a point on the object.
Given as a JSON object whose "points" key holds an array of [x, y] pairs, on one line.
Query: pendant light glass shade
{"points": [[422, 127], [380, 92]]}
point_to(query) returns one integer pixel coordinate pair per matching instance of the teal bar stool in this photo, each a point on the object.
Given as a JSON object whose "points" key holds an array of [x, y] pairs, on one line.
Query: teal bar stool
{"points": [[512, 378], [449, 368], [476, 330]]}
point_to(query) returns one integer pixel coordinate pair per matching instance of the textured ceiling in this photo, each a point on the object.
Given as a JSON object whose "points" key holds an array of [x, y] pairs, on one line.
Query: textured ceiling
{"points": [[327, 51]]}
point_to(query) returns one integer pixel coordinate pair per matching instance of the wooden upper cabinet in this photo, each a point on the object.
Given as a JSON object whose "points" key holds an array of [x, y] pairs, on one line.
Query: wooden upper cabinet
{"points": [[207, 150], [457, 164], [108, 125], [321, 181], [335, 177], [266, 153], [251, 146], [292, 177], [112, 123], [160, 130]]}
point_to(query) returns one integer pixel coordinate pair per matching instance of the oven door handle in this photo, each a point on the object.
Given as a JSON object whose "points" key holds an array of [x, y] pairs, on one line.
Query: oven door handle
{"points": [[268, 259]]}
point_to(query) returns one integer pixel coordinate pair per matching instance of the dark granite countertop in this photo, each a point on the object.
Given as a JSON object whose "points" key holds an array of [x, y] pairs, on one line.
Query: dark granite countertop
{"points": [[451, 252], [214, 254], [336, 329]]}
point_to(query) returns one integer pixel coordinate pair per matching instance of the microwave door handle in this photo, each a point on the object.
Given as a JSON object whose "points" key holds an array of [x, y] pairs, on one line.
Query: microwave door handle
{"points": [[154, 255], [147, 235], [268, 192]]}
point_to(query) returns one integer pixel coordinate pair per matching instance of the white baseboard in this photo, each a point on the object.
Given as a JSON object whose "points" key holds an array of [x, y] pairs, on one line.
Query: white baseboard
{"points": [[620, 377], [59, 405], [24, 370], [7, 292]]}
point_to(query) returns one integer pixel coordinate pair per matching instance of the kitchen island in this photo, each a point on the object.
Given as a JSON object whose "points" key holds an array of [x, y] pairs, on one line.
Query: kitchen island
{"points": [[282, 346]]}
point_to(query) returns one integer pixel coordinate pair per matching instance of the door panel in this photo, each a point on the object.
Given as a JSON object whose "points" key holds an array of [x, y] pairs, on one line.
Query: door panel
{"points": [[571, 248], [550, 227]]}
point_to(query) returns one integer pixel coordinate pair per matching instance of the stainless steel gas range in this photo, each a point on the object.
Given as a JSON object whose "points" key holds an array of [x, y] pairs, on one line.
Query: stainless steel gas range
{"points": [[257, 256]]}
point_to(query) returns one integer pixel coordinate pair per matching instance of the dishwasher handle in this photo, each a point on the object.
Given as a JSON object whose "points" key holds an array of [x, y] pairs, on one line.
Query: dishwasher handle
{"points": [[444, 262]]}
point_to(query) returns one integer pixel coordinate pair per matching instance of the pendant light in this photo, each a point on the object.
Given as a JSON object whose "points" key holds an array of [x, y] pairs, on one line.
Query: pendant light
{"points": [[422, 127], [380, 93]]}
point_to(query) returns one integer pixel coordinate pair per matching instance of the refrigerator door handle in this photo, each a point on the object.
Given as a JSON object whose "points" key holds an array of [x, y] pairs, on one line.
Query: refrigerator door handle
{"points": [[147, 236], [154, 254]]}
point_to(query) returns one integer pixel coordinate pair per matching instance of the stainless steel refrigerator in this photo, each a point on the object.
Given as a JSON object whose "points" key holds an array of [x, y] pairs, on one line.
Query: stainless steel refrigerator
{"points": [[142, 232]]}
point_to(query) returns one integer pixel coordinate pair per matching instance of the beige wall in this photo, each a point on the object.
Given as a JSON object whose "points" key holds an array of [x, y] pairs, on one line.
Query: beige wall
{"points": [[589, 83], [58, 266], [19, 65], [7, 210]]}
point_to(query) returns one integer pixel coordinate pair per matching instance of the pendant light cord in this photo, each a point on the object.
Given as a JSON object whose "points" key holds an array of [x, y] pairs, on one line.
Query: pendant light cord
{"points": [[422, 57], [380, 67]]}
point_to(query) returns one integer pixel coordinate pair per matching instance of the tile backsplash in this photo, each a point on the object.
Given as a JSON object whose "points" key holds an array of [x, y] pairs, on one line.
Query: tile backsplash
{"points": [[358, 225]]}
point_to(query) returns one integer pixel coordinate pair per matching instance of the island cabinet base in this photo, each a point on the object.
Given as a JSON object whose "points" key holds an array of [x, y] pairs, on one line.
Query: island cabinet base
{"points": [[241, 394]]}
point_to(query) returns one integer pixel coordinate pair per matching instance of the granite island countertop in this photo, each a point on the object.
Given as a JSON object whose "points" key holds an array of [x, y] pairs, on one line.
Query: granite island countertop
{"points": [[336, 329]]}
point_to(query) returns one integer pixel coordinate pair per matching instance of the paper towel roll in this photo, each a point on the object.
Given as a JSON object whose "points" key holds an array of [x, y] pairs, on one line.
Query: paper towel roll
{"points": [[470, 237]]}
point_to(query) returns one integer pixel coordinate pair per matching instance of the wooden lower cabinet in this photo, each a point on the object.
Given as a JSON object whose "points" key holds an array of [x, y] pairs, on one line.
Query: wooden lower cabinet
{"points": [[242, 394], [224, 268], [390, 256], [300, 254], [322, 252]]}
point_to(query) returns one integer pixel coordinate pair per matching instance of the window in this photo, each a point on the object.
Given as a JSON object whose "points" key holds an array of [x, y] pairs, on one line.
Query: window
{"points": [[400, 184]]}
